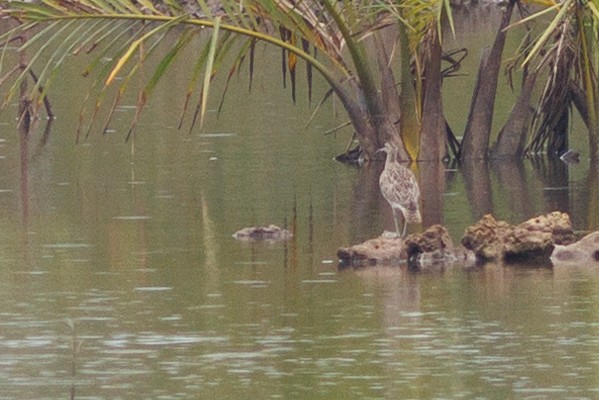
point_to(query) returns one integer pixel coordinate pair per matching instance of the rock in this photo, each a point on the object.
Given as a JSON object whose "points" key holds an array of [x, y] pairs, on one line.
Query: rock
{"points": [[538, 236], [436, 238], [383, 249], [485, 238], [433, 249], [583, 252], [533, 239], [267, 233], [430, 249]]}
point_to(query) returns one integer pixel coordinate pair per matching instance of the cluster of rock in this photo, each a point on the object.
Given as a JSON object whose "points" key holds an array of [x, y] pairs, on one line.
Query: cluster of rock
{"points": [[536, 238], [547, 238], [270, 233], [433, 247]]}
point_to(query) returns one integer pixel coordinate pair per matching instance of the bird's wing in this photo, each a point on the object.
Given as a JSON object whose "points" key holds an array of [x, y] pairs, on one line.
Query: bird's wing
{"points": [[399, 186]]}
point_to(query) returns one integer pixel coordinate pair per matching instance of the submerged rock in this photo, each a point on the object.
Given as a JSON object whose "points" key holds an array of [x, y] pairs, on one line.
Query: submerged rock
{"points": [[583, 252], [536, 238], [267, 233]]}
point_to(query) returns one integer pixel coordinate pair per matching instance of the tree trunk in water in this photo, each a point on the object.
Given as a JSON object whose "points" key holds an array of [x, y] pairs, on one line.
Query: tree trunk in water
{"points": [[579, 99], [512, 137], [366, 134], [365, 131], [433, 138], [409, 124], [594, 147], [480, 119], [388, 126], [389, 93]]}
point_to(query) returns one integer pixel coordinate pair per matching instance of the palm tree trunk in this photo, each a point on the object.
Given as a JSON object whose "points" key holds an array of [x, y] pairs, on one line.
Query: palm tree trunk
{"points": [[579, 99], [390, 99], [433, 137], [480, 119], [512, 137], [409, 124]]}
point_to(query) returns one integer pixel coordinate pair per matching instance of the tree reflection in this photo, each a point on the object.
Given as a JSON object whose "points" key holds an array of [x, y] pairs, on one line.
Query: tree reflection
{"points": [[432, 187], [478, 186], [368, 202], [27, 117], [26, 124], [554, 177], [24, 127], [512, 180], [592, 197]]}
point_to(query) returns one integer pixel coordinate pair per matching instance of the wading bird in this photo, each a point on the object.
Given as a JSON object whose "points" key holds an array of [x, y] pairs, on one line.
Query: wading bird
{"points": [[400, 188]]}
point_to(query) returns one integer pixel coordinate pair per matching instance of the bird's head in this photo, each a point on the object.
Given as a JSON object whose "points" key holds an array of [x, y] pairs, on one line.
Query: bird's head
{"points": [[390, 149], [387, 148]]}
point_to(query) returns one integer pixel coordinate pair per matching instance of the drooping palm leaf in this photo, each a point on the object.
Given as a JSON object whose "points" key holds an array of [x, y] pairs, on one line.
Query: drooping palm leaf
{"points": [[239, 60], [566, 49], [208, 74], [337, 31]]}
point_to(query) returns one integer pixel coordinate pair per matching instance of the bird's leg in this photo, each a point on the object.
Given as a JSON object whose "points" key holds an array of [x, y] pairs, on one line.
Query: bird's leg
{"points": [[405, 225], [396, 224]]}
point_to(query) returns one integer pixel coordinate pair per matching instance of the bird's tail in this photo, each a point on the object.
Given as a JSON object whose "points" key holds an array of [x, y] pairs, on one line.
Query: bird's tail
{"points": [[412, 214]]}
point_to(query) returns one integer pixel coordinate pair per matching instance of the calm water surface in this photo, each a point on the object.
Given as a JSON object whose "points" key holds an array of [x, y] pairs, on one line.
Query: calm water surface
{"points": [[119, 276]]}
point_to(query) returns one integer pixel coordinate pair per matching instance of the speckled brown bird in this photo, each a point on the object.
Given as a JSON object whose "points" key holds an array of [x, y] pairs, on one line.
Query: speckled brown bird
{"points": [[400, 188]]}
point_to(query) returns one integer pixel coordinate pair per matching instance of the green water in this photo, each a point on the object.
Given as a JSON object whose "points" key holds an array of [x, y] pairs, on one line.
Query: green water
{"points": [[120, 278]]}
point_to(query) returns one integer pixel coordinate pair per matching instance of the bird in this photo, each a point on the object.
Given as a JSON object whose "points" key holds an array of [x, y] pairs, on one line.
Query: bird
{"points": [[400, 188]]}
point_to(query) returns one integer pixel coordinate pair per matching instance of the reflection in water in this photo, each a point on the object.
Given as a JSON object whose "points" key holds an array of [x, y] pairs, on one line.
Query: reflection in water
{"points": [[512, 180], [553, 175], [210, 246], [591, 193], [477, 184], [24, 126], [27, 121], [367, 202], [432, 188]]}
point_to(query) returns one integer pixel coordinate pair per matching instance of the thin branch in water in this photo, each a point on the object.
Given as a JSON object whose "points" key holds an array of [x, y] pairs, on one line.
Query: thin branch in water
{"points": [[337, 128], [40, 88]]}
